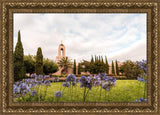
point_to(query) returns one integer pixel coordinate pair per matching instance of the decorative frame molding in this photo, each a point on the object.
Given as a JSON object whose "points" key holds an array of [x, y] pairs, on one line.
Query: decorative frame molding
{"points": [[8, 8]]}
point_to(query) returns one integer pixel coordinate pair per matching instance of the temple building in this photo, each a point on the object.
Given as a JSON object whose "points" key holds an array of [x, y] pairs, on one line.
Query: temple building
{"points": [[62, 54]]}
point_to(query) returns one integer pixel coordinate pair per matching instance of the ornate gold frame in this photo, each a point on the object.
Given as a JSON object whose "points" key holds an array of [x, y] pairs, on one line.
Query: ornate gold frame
{"points": [[8, 7]]}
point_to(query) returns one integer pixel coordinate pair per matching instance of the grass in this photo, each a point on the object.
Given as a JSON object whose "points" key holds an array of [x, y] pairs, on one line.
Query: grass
{"points": [[123, 91]]}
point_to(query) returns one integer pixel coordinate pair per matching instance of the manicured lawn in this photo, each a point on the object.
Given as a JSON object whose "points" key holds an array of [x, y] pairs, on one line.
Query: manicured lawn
{"points": [[123, 91]]}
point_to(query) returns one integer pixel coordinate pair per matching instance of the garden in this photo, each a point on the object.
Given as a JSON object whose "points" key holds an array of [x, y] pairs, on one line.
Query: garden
{"points": [[93, 88], [124, 91], [42, 86]]}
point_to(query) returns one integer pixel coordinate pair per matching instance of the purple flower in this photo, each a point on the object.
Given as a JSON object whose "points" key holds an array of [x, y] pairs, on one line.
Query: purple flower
{"points": [[46, 77], [89, 85], [25, 92], [110, 82], [23, 86], [141, 100], [18, 83], [65, 84], [140, 78], [103, 76], [88, 79], [57, 79], [145, 100], [143, 65], [58, 94], [39, 79], [97, 83], [107, 86], [47, 83], [28, 81], [85, 82], [53, 79], [71, 78], [112, 79], [33, 75], [145, 81], [33, 93], [33, 84], [16, 89]]}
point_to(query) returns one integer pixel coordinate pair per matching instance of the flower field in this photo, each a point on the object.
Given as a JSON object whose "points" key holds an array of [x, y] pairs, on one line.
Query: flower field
{"points": [[124, 91], [93, 88]]}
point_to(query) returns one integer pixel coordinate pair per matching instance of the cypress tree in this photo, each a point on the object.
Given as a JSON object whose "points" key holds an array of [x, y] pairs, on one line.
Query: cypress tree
{"points": [[92, 60], [102, 60], [113, 72], [39, 62], [19, 70], [95, 59], [117, 69], [74, 68], [79, 69], [107, 65], [92, 65], [99, 59]]}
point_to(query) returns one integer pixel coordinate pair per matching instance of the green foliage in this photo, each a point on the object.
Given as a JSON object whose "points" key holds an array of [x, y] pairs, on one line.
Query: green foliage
{"points": [[92, 60], [102, 60], [99, 58], [74, 68], [130, 69], [117, 68], [99, 67], [65, 63], [94, 67], [39, 62], [49, 66], [113, 72], [85, 66], [19, 70], [124, 91], [107, 65], [79, 68], [29, 63], [95, 58]]}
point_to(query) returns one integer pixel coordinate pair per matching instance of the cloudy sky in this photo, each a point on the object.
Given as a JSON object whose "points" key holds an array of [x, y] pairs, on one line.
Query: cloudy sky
{"points": [[118, 36]]}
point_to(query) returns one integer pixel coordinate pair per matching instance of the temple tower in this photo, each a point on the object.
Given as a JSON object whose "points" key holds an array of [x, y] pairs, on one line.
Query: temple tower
{"points": [[61, 52]]}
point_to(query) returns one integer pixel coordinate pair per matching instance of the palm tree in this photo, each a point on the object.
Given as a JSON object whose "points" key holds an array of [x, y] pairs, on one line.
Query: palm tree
{"points": [[65, 63]]}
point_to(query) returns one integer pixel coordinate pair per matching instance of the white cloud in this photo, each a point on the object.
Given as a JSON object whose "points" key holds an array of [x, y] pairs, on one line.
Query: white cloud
{"points": [[113, 35]]}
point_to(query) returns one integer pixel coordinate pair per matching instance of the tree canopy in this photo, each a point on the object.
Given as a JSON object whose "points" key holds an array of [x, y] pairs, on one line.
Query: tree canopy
{"points": [[19, 70], [74, 68], [29, 63], [95, 66], [65, 63], [39, 62], [130, 69], [49, 66], [113, 71], [117, 68]]}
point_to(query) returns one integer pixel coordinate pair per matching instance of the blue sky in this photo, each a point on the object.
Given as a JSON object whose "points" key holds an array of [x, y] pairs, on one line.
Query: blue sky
{"points": [[118, 36]]}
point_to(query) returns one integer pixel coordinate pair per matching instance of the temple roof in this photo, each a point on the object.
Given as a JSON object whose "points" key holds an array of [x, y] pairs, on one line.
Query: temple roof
{"points": [[61, 45]]}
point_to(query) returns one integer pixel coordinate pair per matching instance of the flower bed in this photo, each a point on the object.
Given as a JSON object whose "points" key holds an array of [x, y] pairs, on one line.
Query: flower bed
{"points": [[95, 88]]}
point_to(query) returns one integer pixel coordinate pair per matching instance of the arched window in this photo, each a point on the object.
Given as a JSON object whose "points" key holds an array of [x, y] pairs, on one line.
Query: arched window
{"points": [[61, 51]]}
